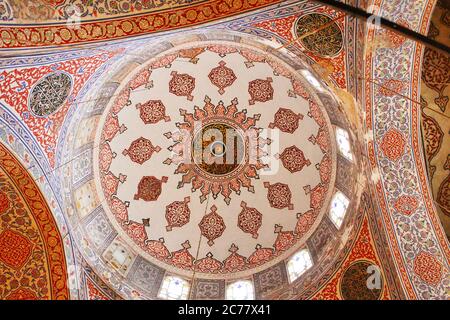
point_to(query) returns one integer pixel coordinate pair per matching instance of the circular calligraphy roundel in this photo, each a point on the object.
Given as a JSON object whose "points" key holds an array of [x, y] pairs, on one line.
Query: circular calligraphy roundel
{"points": [[50, 93], [326, 42]]}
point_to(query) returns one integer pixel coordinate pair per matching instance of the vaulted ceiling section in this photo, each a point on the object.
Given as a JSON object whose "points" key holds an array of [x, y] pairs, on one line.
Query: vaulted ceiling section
{"points": [[108, 188]]}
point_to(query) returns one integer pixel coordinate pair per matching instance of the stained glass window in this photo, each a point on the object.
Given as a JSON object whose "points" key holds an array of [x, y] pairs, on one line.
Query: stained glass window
{"points": [[298, 264], [174, 288], [339, 205], [343, 142], [240, 290]]}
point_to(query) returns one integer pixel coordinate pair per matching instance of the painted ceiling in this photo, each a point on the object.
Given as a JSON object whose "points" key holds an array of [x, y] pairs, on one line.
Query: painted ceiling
{"points": [[434, 95], [137, 183], [60, 10], [239, 196], [110, 136], [107, 20], [32, 261]]}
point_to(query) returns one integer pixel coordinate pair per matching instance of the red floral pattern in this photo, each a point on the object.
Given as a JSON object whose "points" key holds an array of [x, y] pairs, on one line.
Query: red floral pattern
{"points": [[182, 85], [293, 159], [4, 202], [406, 205], [149, 188], [106, 156], [22, 294], [222, 77], [178, 214], [279, 195], [428, 268], [15, 249], [152, 112], [260, 90], [208, 264], [285, 239], [286, 120], [393, 144], [140, 150], [182, 258], [396, 39], [112, 127], [261, 255], [392, 87], [234, 262], [249, 220], [212, 226]]}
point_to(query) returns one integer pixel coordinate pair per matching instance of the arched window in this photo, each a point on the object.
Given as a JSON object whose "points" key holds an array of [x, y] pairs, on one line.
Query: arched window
{"points": [[343, 143], [298, 264], [174, 288], [240, 290], [339, 205]]}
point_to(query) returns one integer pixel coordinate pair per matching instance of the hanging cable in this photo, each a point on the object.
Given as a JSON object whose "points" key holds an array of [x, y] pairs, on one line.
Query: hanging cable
{"points": [[385, 23], [198, 248]]}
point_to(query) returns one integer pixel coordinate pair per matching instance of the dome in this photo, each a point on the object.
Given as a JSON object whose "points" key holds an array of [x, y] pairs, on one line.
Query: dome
{"points": [[214, 159], [223, 150], [208, 158]]}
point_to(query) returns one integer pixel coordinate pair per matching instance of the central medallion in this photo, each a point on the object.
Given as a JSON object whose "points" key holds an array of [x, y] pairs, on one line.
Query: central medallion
{"points": [[217, 149]]}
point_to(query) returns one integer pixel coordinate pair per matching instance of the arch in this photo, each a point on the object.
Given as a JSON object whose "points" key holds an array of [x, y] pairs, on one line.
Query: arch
{"points": [[32, 260]]}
